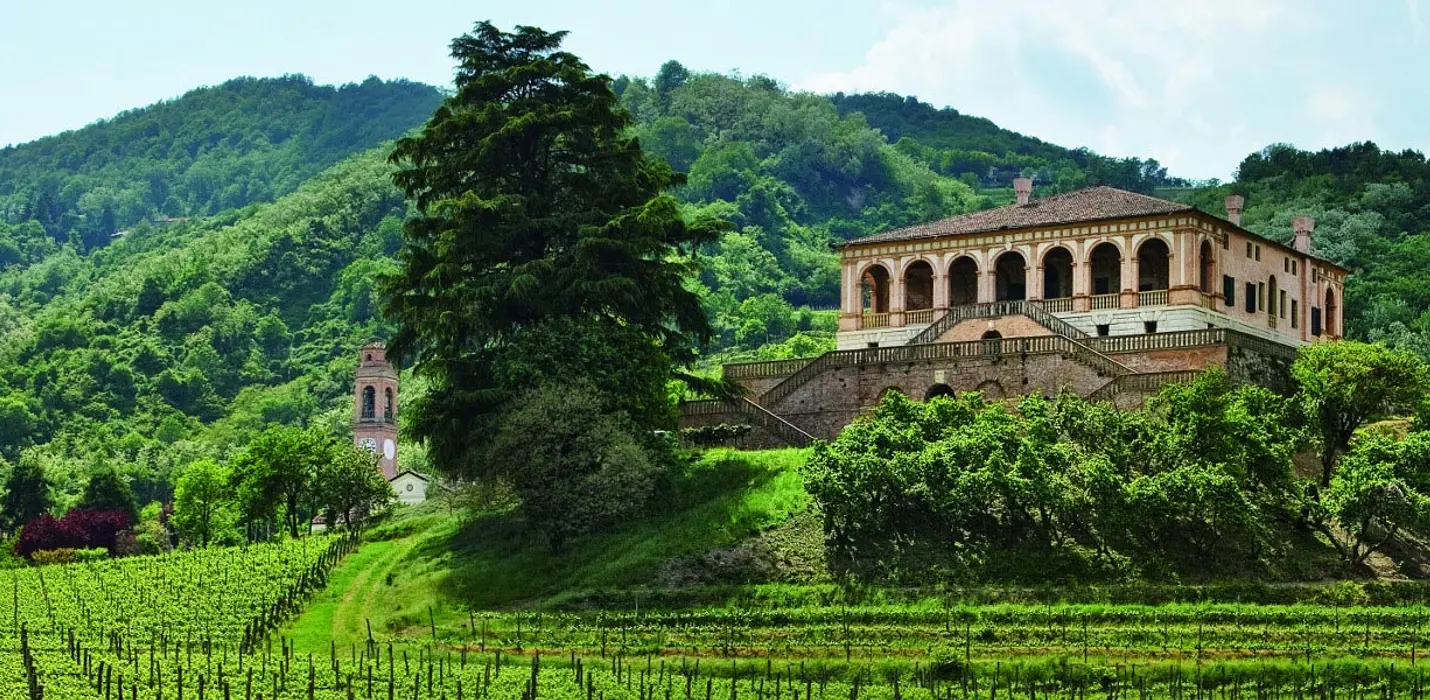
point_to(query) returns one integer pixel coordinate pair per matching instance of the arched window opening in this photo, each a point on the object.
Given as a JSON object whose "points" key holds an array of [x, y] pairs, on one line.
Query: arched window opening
{"points": [[1208, 267], [992, 343], [1332, 311], [939, 390], [1058, 274], [875, 290], [369, 402], [387, 405], [1153, 266], [369, 357], [963, 282], [1106, 267], [918, 286], [1271, 296], [1011, 277]]}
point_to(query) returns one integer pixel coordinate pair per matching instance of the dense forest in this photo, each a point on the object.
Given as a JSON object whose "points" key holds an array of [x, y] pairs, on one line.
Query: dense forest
{"points": [[216, 148], [257, 214]]}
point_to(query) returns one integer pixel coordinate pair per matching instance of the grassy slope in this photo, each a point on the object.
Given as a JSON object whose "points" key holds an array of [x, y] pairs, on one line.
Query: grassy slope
{"points": [[448, 561]]}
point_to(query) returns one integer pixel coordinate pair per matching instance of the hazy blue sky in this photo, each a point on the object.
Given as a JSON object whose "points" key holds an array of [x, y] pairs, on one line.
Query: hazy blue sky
{"points": [[1197, 84]]}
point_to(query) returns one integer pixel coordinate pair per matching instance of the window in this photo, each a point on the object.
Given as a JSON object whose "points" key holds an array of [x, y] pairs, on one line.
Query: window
{"points": [[1315, 320], [1285, 264], [1258, 253], [1295, 315], [1248, 249], [1261, 295], [1149, 326], [1228, 290], [1295, 266], [1103, 329], [1226, 243], [874, 344], [1281, 304], [1251, 297]]}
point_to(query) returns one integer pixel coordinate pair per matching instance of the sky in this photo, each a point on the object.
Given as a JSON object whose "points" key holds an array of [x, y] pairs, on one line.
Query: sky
{"points": [[1195, 84]]}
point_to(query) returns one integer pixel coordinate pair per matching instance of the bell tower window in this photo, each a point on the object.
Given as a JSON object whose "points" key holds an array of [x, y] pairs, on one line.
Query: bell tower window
{"points": [[369, 402]]}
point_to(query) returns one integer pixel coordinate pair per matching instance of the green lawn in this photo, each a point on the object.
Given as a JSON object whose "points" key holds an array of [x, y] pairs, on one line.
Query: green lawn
{"points": [[429, 563]]}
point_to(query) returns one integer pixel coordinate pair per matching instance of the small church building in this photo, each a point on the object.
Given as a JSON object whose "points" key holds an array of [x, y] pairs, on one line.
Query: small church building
{"points": [[1103, 292]]}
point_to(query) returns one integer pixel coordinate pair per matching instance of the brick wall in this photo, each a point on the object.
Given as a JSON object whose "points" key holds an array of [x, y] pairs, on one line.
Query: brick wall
{"points": [[1006, 326]]}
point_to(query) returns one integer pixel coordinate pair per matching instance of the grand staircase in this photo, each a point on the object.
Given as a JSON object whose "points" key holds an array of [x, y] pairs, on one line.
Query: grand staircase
{"points": [[1065, 339]]}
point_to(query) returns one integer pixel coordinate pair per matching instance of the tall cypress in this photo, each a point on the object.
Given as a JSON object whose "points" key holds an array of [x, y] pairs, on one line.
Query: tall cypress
{"points": [[537, 214]]}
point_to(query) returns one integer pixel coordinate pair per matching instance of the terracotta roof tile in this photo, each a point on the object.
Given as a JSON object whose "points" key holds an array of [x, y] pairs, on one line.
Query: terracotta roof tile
{"points": [[1089, 204]]}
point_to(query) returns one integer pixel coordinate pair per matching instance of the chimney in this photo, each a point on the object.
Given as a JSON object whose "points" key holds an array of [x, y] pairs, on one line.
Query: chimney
{"points": [[1234, 203], [1023, 187], [1303, 226]]}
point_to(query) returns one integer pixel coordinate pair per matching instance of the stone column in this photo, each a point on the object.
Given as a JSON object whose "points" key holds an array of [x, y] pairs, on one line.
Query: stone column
{"points": [[1082, 285], [849, 306], [1131, 281], [940, 288], [896, 301], [1036, 292]]}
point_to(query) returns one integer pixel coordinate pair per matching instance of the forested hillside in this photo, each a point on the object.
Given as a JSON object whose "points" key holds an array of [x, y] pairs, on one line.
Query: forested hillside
{"points": [[979, 152], [180, 342], [216, 148], [1372, 211], [794, 177]]}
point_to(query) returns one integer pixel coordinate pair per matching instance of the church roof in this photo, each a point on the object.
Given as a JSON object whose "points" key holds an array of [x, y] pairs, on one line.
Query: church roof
{"points": [[1088, 204]]}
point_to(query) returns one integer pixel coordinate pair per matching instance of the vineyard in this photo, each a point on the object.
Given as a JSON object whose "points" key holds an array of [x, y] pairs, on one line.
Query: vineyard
{"points": [[209, 624]]}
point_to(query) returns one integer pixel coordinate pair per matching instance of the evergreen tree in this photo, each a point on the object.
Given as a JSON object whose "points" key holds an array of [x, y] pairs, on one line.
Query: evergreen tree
{"points": [[108, 490], [535, 204], [27, 493]]}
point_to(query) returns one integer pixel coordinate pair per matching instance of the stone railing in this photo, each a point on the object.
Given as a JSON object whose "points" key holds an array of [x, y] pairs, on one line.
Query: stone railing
{"points": [[763, 368], [918, 317], [1158, 341], [1106, 301], [1271, 321], [874, 320], [1058, 306], [757, 414], [1156, 297], [1145, 382]]}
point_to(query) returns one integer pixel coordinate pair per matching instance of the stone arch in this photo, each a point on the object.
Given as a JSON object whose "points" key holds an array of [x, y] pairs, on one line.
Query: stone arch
{"points": [[369, 402], [992, 390], [1010, 272], [963, 281], [1105, 264], [874, 289], [1057, 273], [1331, 312], [938, 390], [918, 285], [1207, 267], [1154, 265]]}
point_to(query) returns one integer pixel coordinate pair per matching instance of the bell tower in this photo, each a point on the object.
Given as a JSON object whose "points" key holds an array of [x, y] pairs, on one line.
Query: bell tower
{"points": [[375, 415]]}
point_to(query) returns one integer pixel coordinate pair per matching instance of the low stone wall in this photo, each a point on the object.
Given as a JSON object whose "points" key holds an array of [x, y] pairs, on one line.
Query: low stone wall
{"points": [[757, 439]]}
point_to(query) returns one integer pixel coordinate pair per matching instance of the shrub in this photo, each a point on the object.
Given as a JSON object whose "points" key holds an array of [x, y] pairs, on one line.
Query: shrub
{"points": [[79, 529], [68, 556], [711, 435]]}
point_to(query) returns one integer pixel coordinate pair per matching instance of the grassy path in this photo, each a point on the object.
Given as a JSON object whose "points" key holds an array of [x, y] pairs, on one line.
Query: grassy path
{"points": [[354, 593]]}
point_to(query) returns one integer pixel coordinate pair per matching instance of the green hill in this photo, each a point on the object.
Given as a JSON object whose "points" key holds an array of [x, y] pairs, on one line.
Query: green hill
{"points": [[215, 148]]}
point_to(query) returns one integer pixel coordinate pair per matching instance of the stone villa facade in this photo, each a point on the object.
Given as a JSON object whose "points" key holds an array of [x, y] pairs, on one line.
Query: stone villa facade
{"points": [[1100, 291]]}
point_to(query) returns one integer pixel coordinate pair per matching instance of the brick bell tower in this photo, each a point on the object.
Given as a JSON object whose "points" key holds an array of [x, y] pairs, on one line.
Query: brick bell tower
{"points": [[375, 417]]}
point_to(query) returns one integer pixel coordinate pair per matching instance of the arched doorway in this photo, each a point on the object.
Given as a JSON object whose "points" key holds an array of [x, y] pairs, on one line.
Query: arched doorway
{"points": [[1153, 266], [1332, 311], [1058, 274], [918, 286], [963, 282], [1105, 262], [939, 390], [1011, 277], [1208, 268], [874, 290], [992, 343]]}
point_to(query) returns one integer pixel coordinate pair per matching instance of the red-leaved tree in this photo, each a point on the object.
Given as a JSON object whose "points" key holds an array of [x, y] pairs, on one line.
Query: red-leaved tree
{"points": [[79, 529]]}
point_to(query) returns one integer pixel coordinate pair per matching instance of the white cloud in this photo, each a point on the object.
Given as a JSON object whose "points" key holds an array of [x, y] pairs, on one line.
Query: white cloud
{"points": [[1160, 78]]}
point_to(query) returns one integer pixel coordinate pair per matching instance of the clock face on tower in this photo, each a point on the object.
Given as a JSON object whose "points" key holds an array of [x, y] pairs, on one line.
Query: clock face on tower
{"points": [[368, 444], [389, 449]]}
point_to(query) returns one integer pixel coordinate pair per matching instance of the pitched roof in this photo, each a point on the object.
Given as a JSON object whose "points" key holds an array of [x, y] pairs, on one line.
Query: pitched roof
{"points": [[1089, 204]]}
